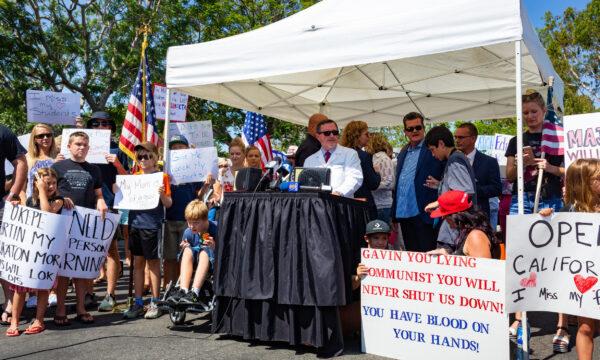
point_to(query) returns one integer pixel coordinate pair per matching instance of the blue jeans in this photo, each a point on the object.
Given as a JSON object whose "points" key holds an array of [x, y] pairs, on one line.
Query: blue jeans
{"points": [[384, 214], [528, 202]]}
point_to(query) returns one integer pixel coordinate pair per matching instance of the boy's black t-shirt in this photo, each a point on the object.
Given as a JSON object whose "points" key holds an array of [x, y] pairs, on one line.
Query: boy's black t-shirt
{"points": [[78, 181], [10, 149]]}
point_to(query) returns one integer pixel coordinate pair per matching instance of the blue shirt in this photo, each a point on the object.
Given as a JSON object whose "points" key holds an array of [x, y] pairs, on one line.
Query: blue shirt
{"points": [[406, 198], [195, 240], [182, 195]]}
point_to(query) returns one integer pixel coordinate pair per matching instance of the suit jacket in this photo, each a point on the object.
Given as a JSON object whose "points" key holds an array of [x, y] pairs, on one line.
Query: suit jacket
{"points": [[427, 165], [346, 173], [371, 181], [487, 174], [309, 146]]}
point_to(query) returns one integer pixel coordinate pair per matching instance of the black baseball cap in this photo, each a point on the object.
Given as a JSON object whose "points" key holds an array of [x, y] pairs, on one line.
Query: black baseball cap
{"points": [[378, 226]]}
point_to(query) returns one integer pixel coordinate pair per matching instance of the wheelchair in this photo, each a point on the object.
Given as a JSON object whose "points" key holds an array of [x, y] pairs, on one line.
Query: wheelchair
{"points": [[177, 310]]}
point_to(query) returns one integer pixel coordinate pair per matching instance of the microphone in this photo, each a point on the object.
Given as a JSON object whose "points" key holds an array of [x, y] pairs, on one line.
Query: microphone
{"points": [[289, 186], [284, 170], [293, 186]]}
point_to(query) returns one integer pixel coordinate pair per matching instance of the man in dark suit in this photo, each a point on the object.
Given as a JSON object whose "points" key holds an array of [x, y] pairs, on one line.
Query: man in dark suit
{"points": [[487, 171], [415, 165], [311, 144]]}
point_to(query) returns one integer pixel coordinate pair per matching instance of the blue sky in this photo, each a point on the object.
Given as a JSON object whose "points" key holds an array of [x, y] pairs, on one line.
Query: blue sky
{"points": [[537, 8]]}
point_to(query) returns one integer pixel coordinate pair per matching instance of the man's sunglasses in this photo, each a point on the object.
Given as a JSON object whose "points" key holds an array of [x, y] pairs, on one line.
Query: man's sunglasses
{"points": [[144, 157], [330, 132], [101, 123], [43, 136], [413, 128]]}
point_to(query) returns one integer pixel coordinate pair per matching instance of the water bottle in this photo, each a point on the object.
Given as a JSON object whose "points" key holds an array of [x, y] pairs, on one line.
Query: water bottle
{"points": [[520, 355]]}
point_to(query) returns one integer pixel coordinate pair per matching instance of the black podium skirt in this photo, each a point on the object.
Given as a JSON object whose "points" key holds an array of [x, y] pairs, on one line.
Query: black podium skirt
{"points": [[284, 265]]}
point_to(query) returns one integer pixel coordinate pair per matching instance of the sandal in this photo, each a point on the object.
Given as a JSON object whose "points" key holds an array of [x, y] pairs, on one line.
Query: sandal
{"points": [[99, 280], [34, 329], [85, 318], [12, 332], [512, 330], [560, 343], [61, 320], [7, 321]]}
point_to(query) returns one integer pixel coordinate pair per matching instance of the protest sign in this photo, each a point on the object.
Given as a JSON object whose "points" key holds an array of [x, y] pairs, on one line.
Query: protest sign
{"points": [[179, 102], [552, 264], [88, 242], [582, 137], [485, 143], [138, 192], [32, 244], [423, 306], [197, 133], [24, 140], [52, 107], [192, 165], [99, 144]]}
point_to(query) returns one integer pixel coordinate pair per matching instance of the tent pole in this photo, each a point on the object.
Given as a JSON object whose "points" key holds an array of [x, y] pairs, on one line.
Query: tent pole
{"points": [[519, 104], [166, 132]]}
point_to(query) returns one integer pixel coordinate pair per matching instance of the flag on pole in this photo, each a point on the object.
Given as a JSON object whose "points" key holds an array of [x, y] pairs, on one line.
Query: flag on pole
{"points": [[552, 130], [255, 133], [140, 116]]}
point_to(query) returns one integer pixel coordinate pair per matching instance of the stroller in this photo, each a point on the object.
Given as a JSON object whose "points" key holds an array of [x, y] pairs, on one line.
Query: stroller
{"points": [[177, 309]]}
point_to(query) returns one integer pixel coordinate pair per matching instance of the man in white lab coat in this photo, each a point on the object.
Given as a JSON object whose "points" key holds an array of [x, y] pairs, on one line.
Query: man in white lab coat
{"points": [[346, 173]]}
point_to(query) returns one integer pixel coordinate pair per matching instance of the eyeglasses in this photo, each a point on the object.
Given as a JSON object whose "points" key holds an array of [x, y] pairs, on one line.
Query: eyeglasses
{"points": [[413, 128], [43, 136], [458, 137], [330, 132], [144, 157], [101, 123]]}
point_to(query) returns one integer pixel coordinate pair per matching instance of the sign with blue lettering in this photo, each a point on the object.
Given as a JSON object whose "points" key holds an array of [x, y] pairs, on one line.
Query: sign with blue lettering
{"points": [[553, 263], [424, 306], [192, 165]]}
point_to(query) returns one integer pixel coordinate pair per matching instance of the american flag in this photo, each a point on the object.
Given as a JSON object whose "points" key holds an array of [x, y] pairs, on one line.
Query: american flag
{"points": [[552, 130], [131, 135], [255, 133]]}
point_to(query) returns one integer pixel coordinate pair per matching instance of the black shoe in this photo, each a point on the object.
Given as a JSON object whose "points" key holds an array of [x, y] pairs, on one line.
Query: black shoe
{"points": [[176, 296], [190, 298], [90, 300]]}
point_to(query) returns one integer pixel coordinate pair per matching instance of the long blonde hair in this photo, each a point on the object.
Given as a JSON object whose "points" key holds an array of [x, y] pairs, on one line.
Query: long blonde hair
{"points": [[377, 143], [352, 132], [41, 173], [33, 152], [578, 184]]}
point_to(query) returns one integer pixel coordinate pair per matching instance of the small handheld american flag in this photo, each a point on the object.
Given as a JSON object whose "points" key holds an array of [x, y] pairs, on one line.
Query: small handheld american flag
{"points": [[552, 130], [255, 133]]}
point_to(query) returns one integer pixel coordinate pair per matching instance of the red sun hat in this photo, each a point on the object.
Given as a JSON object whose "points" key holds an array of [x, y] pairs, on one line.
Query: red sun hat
{"points": [[451, 202]]}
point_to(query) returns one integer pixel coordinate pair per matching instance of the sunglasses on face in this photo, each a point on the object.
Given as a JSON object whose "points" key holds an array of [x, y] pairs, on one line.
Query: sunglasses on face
{"points": [[101, 123], [413, 128], [330, 132], [223, 166], [144, 157], [43, 136]]}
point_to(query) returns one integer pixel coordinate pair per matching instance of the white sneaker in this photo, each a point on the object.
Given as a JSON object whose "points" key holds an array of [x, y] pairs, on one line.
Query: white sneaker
{"points": [[52, 300], [31, 302]]}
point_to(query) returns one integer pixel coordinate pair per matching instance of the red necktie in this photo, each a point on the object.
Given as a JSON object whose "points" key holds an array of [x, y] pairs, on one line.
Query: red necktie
{"points": [[327, 156]]}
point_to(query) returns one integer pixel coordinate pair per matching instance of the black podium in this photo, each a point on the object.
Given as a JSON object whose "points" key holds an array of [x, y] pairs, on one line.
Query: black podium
{"points": [[284, 265]]}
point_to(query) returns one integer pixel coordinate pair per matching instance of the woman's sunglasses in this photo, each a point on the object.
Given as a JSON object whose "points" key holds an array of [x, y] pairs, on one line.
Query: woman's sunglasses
{"points": [[144, 157], [101, 123], [43, 136]]}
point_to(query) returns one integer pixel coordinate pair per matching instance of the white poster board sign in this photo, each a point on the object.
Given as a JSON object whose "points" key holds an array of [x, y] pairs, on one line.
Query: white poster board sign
{"points": [[192, 165], [99, 144], [553, 264], [24, 140], [423, 306], [197, 133], [494, 146], [88, 242], [582, 137], [52, 107], [138, 192], [179, 101], [485, 143], [32, 245]]}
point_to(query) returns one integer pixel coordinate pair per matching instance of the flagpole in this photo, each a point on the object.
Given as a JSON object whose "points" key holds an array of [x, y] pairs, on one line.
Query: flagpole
{"points": [[145, 31]]}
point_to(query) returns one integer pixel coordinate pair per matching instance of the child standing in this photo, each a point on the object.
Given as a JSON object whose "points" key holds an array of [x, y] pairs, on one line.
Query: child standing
{"points": [[144, 235], [44, 198]]}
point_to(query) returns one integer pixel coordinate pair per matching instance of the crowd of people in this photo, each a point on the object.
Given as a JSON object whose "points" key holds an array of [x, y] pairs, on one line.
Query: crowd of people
{"points": [[433, 196]]}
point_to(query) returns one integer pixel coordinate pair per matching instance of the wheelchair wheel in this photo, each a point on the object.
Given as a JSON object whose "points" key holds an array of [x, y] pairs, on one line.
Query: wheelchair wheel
{"points": [[177, 317]]}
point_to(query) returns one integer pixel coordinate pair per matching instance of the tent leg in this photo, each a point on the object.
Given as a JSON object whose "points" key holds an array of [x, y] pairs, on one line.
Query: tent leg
{"points": [[166, 132]]}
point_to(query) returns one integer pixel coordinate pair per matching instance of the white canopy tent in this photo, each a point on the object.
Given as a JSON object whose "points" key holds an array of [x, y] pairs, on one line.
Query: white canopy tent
{"points": [[373, 60]]}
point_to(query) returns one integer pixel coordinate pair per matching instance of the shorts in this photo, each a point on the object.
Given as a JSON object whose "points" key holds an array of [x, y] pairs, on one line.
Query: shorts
{"points": [[144, 242], [173, 235], [124, 219], [196, 253]]}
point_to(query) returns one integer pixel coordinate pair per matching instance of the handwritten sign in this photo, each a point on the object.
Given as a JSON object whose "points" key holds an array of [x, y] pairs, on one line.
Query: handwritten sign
{"points": [[178, 108], [88, 242], [198, 133], [31, 246], [138, 192], [192, 165], [582, 137], [494, 146], [52, 107], [553, 264], [99, 144], [422, 306], [24, 140]]}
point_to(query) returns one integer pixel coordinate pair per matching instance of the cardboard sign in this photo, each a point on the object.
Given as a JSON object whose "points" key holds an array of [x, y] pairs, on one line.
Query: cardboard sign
{"points": [[32, 244], [138, 192], [24, 140], [99, 144], [192, 165], [553, 263], [423, 306], [582, 137], [178, 108], [88, 242], [197, 133], [52, 107], [494, 146]]}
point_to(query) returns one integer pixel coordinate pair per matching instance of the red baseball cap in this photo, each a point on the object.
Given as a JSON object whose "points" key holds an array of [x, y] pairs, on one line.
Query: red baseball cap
{"points": [[451, 202]]}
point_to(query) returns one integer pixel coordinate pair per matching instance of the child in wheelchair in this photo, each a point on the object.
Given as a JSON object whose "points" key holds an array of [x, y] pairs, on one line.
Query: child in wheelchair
{"points": [[197, 250]]}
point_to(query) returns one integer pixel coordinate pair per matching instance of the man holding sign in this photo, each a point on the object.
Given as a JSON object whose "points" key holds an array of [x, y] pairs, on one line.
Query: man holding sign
{"points": [[80, 183]]}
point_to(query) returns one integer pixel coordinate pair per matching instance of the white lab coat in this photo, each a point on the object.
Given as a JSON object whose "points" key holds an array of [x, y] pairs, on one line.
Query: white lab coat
{"points": [[346, 172]]}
